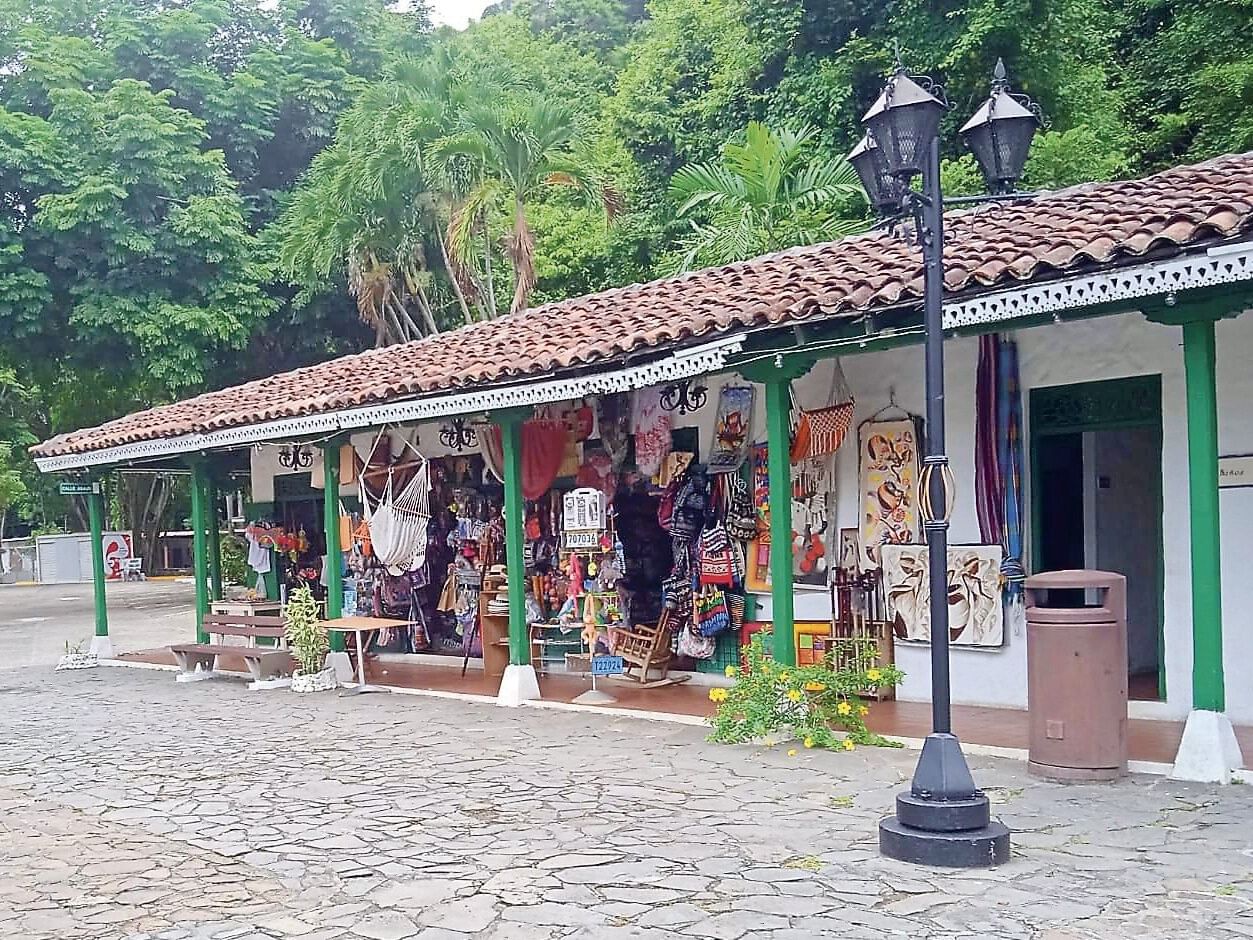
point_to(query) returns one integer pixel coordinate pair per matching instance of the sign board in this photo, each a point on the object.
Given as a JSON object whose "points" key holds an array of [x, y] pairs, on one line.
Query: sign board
{"points": [[582, 540], [71, 488], [608, 666], [583, 508], [1235, 471]]}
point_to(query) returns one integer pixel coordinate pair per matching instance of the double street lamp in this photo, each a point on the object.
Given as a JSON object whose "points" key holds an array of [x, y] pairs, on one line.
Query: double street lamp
{"points": [[943, 819]]}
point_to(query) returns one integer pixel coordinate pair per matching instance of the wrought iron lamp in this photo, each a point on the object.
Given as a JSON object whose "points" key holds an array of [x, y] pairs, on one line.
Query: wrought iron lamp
{"points": [[295, 457], [684, 396], [457, 434], [943, 819]]}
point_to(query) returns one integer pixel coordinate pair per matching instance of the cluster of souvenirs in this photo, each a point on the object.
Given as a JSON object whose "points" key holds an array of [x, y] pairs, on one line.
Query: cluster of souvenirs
{"points": [[631, 520]]}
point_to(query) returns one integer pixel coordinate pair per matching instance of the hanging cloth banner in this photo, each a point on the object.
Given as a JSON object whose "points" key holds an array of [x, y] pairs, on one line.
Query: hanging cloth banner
{"points": [[889, 485], [731, 428], [543, 448], [1009, 417], [989, 483]]}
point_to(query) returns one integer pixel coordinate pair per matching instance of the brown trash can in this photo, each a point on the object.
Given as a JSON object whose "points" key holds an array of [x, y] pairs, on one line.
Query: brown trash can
{"points": [[1077, 678]]}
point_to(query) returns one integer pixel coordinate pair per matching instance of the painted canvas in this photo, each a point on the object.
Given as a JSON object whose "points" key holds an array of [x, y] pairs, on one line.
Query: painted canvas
{"points": [[810, 519], [888, 477], [975, 612]]}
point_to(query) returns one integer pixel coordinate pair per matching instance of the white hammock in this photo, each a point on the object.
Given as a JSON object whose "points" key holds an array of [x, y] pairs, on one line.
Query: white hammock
{"points": [[398, 521]]}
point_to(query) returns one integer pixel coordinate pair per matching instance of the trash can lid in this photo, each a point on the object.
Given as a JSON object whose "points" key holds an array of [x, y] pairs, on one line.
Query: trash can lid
{"points": [[1092, 615], [1074, 578]]}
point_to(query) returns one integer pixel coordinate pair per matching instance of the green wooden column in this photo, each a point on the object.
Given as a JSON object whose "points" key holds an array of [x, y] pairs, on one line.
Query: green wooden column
{"points": [[199, 547], [334, 556], [95, 516], [510, 424], [1208, 692], [777, 375], [211, 500]]}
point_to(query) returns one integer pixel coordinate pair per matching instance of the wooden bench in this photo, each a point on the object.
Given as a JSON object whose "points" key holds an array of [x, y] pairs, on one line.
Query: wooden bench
{"points": [[265, 663]]}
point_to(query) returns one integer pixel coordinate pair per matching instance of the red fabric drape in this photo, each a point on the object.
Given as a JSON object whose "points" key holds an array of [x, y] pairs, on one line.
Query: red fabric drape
{"points": [[543, 445]]}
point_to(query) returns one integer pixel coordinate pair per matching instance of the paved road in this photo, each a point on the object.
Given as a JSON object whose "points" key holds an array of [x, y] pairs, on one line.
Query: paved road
{"points": [[132, 806], [36, 621]]}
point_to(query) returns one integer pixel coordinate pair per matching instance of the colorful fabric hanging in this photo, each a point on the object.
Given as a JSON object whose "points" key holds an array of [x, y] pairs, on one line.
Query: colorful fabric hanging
{"points": [[543, 448], [652, 430], [1010, 457], [989, 481]]}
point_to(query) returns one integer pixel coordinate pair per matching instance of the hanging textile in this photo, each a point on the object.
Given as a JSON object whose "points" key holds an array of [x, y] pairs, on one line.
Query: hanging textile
{"points": [[543, 448], [989, 423], [398, 520], [731, 428], [614, 423], [821, 431], [652, 430], [1009, 418]]}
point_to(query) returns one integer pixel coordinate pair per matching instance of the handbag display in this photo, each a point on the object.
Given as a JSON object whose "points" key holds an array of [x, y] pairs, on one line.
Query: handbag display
{"points": [[710, 614], [717, 567], [696, 646], [741, 515]]}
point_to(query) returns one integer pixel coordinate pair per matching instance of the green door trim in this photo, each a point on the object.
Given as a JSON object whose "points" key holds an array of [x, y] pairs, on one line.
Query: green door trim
{"points": [[1102, 406]]}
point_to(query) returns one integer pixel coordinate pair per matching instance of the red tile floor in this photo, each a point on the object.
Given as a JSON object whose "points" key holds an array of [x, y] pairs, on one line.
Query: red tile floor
{"points": [[999, 727]]}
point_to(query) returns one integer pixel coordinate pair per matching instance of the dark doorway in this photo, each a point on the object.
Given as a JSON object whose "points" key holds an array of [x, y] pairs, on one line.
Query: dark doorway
{"points": [[1096, 492]]}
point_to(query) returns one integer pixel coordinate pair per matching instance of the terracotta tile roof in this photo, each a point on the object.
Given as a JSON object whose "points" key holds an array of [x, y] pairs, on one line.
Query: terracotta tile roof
{"points": [[992, 246]]}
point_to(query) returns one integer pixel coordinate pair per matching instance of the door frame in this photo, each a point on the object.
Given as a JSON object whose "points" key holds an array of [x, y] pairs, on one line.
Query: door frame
{"points": [[1102, 405]]}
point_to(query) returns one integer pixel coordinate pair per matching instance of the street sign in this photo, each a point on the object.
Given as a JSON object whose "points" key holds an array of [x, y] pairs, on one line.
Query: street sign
{"points": [[608, 666], [69, 488]]}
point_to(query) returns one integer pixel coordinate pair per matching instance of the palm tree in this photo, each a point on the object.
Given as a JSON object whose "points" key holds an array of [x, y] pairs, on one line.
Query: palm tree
{"points": [[517, 147], [770, 191]]}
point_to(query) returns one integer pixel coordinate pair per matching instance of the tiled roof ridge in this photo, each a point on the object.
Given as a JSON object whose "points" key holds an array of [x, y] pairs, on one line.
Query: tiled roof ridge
{"points": [[992, 244]]}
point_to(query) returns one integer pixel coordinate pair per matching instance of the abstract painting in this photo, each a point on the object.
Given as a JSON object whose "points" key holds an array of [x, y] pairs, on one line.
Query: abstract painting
{"points": [[889, 487], [975, 612]]}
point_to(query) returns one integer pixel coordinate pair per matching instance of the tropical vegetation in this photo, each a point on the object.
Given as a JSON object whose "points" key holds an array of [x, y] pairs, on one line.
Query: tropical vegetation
{"points": [[197, 192]]}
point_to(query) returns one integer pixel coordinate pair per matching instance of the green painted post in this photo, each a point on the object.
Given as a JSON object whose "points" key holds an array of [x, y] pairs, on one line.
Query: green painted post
{"points": [[334, 556], [199, 549], [215, 536], [1208, 691], [779, 467], [95, 515], [511, 438]]}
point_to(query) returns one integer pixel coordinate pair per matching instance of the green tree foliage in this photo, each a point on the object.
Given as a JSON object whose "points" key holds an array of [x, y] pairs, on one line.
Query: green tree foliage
{"points": [[769, 191]]}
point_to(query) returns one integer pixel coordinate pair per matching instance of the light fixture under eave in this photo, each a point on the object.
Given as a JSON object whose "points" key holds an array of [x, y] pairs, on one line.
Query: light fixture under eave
{"points": [[1000, 134], [684, 396]]}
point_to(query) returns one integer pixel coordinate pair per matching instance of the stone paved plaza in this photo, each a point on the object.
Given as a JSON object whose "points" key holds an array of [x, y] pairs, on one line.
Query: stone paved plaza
{"points": [[132, 806]]}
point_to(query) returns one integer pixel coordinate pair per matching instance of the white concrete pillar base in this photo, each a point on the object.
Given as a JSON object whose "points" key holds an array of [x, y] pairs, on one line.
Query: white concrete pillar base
{"points": [[519, 684], [342, 665], [1209, 751], [102, 647]]}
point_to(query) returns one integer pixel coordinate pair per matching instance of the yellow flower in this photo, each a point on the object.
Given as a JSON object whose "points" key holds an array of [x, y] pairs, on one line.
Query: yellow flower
{"points": [[794, 695], [874, 675], [717, 695], [730, 671], [766, 669], [809, 742], [783, 677], [844, 708], [847, 744], [791, 752], [863, 710]]}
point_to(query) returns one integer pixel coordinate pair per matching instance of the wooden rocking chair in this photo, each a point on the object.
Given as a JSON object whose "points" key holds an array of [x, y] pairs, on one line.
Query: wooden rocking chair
{"points": [[646, 647]]}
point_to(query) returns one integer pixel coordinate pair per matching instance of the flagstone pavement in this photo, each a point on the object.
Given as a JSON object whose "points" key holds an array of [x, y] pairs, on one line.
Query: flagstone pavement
{"points": [[132, 806]]}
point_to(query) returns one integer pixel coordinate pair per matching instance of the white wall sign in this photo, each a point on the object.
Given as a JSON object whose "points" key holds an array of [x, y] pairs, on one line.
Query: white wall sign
{"points": [[1235, 471]]}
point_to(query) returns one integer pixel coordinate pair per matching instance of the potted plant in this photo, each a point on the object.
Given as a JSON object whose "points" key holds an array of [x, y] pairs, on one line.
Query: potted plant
{"points": [[308, 643]]}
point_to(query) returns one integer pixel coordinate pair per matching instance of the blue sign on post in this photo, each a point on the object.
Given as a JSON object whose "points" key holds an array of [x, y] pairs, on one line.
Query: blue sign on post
{"points": [[608, 666]]}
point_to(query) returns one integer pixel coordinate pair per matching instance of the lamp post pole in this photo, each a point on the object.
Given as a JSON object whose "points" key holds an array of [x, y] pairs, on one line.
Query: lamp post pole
{"points": [[943, 819]]}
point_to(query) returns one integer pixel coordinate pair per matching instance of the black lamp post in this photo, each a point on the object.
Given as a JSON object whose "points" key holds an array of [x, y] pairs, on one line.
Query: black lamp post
{"points": [[943, 819]]}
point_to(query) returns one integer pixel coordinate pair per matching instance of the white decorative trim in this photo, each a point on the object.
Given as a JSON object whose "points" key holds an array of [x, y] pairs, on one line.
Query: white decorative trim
{"points": [[700, 360], [1145, 280]]}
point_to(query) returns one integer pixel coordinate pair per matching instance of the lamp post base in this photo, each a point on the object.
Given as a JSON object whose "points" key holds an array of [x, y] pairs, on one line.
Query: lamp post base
{"points": [[943, 820]]}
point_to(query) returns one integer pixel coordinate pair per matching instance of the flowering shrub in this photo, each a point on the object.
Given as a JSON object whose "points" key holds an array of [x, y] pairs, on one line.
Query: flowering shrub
{"points": [[810, 702]]}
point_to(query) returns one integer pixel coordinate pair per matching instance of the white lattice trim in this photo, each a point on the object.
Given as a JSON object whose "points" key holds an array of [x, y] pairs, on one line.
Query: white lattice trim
{"points": [[1227, 265], [700, 360]]}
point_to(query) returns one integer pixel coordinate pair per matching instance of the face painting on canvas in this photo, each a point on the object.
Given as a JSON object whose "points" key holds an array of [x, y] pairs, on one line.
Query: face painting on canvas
{"points": [[889, 482], [975, 611]]}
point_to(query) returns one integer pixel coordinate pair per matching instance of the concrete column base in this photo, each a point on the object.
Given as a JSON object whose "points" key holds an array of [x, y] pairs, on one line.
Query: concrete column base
{"points": [[1209, 751], [102, 647], [343, 666], [519, 684]]}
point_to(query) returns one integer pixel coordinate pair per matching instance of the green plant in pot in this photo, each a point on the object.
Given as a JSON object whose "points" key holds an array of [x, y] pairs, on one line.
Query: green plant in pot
{"points": [[308, 643]]}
